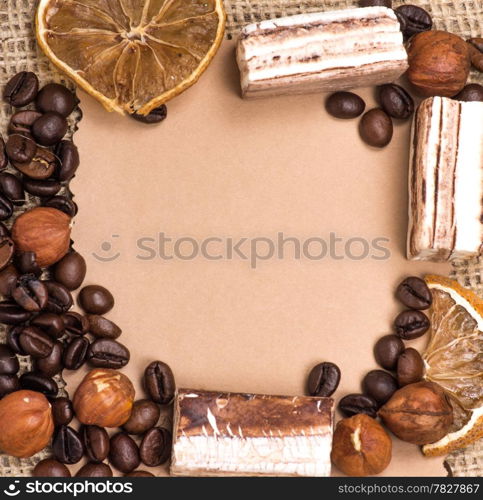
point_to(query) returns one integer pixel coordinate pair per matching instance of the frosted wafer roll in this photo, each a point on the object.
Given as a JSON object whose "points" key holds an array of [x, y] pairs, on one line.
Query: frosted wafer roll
{"points": [[217, 434], [445, 180], [324, 51]]}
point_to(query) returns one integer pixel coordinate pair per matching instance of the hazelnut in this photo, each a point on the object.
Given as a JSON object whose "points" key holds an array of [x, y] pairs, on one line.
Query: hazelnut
{"points": [[45, 231], [26, 423], [439, 63], [105, 398], [361, 447], [418, 413]]}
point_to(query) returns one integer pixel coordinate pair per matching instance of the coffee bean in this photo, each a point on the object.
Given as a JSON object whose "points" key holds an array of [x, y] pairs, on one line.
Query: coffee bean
{"points": [[35, 342], [159, 382], [96, 299], [124, 453], [75, 323], [11, 187], [13, 334], [63, 204], [376, 128], [70, 271], [75, 353], [20, 149], [21, 122], [417, 19], [50, 468], [49, 128], [9, 364], [21, 89], [471, 92], [6, 208], [42, 188], [387, 351], [67, 445], [476, 42], [410, 367], [144, 416], [8, 384], [94, 470], [30, 293], [410, 325], [379, 385], [395, 101], [12, 314], [108, 353], [103, 327], [62, 411], [8, 277], [52, 324], [26, 263], [139, 473], [3, 154], [354, 404], [157, 115], [323, 380], [52, 364], [155, 448], [7, 249], [41, 166], [38, 382], [68, 155], [57, 98], [375, 3], [345, 105], [60, 299], [414, 293], [96, 443]]}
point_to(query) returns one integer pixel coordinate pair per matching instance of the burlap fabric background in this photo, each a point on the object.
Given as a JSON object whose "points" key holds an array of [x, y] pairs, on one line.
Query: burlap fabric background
{"points": [[18, 51]]}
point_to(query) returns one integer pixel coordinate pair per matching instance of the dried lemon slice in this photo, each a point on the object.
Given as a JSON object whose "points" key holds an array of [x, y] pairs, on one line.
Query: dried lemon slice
{"points": [[454, 359], [131, 55]]}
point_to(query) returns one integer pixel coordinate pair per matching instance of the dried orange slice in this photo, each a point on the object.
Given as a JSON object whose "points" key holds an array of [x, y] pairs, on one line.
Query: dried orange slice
{"points": [[454, 360], [131, 55]]}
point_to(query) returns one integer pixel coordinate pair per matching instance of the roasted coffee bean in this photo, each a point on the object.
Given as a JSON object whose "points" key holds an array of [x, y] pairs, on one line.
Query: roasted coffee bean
{"points": [[476, 42], [414, 293], [144, 416], [38, 382], [62, 411], [124, 453], [94, 470], [49, 128], [159, 382], [52, 364], [9, 364], [12, 314], [103, 327], [75, 353], [417, 19], [402, 21], [60, 299], [96, 299], [139, 473], [395, 101], [471, 92], [55, 97], [353, 404], [43, 188], [13, 334], [8, 277], [35, 342], [410, 325], [67, 445], [30, 293], [41, 166], [8, 384], [75, 323], [68, 155], [376, 128], [345, 105], [323, 380], [21, 89], [63, 204], [21, 122], [7, 250], [155, 447], [52, 324], [50, 468], [410, 367], [379, 385], [375, 3], [157, 115], [11, 187], [20, 149], [6, 208], [387, 351], [70, 271], [3, 154], [26, 263], [96, 443], [108, 353]]}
